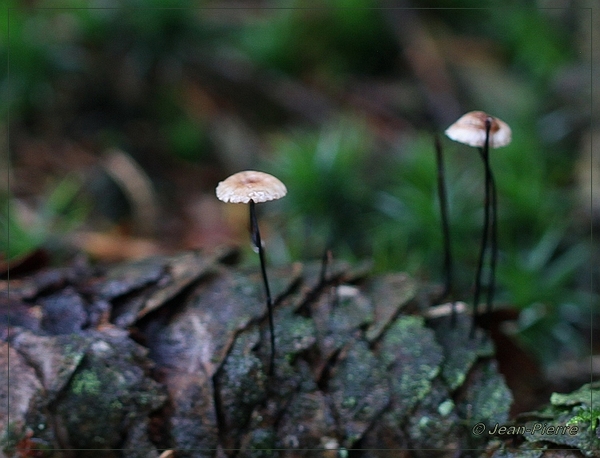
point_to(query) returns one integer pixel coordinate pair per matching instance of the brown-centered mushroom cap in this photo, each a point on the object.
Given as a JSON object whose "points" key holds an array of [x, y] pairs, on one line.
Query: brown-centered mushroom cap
{"points": [[242, 187], [470, 130]]}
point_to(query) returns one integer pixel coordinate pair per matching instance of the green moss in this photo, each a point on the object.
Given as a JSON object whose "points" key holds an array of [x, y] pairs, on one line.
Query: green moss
{"points": [[415, 357], [423, 422], [460, 350], [446, 407], [586, 415], [86, 383], [349, 402]]}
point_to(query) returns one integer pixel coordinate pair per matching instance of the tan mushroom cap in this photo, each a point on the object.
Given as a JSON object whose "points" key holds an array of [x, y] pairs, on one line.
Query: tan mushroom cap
{"points": [[470, 130], [242, 187]]}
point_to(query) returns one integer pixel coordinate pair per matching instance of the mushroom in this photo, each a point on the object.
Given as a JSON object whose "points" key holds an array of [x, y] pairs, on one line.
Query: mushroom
{"points": [[471, 129], [251, 187], [483, 131]]}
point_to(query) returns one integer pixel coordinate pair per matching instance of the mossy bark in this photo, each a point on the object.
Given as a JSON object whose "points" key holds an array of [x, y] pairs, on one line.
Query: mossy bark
{"points": [[172, 353]]}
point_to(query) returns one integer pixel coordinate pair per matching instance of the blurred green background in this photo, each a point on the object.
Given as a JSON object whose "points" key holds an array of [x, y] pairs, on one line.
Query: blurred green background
{"points": [[121, 117]]}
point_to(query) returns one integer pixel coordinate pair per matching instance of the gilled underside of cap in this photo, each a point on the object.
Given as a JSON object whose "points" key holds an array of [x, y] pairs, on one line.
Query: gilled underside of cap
{"points": [[470, 130], [242, 187]]}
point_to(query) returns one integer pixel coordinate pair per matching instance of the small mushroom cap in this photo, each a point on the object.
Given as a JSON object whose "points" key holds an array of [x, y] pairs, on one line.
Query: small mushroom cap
{"points": [[242, 187], [470, 130]]}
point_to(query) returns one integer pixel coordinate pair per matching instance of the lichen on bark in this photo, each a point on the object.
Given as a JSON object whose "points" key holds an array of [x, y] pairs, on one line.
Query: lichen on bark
{"points": [[179, 361]]}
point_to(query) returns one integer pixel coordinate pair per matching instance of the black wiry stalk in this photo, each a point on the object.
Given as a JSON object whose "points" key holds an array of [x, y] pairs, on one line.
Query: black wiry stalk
{"points": [[327, 257], [486, 216], [441, 184], [325, 260], [255, 234], [494, 244]]}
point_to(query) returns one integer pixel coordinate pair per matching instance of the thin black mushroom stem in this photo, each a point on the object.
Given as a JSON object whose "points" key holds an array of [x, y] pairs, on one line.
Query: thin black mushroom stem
{"points": [[325, 258], [251, 187], [256, 240], [326, 262], [484, 153], [493, 237], [494, 255], [483, 131], [442, 197]]}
